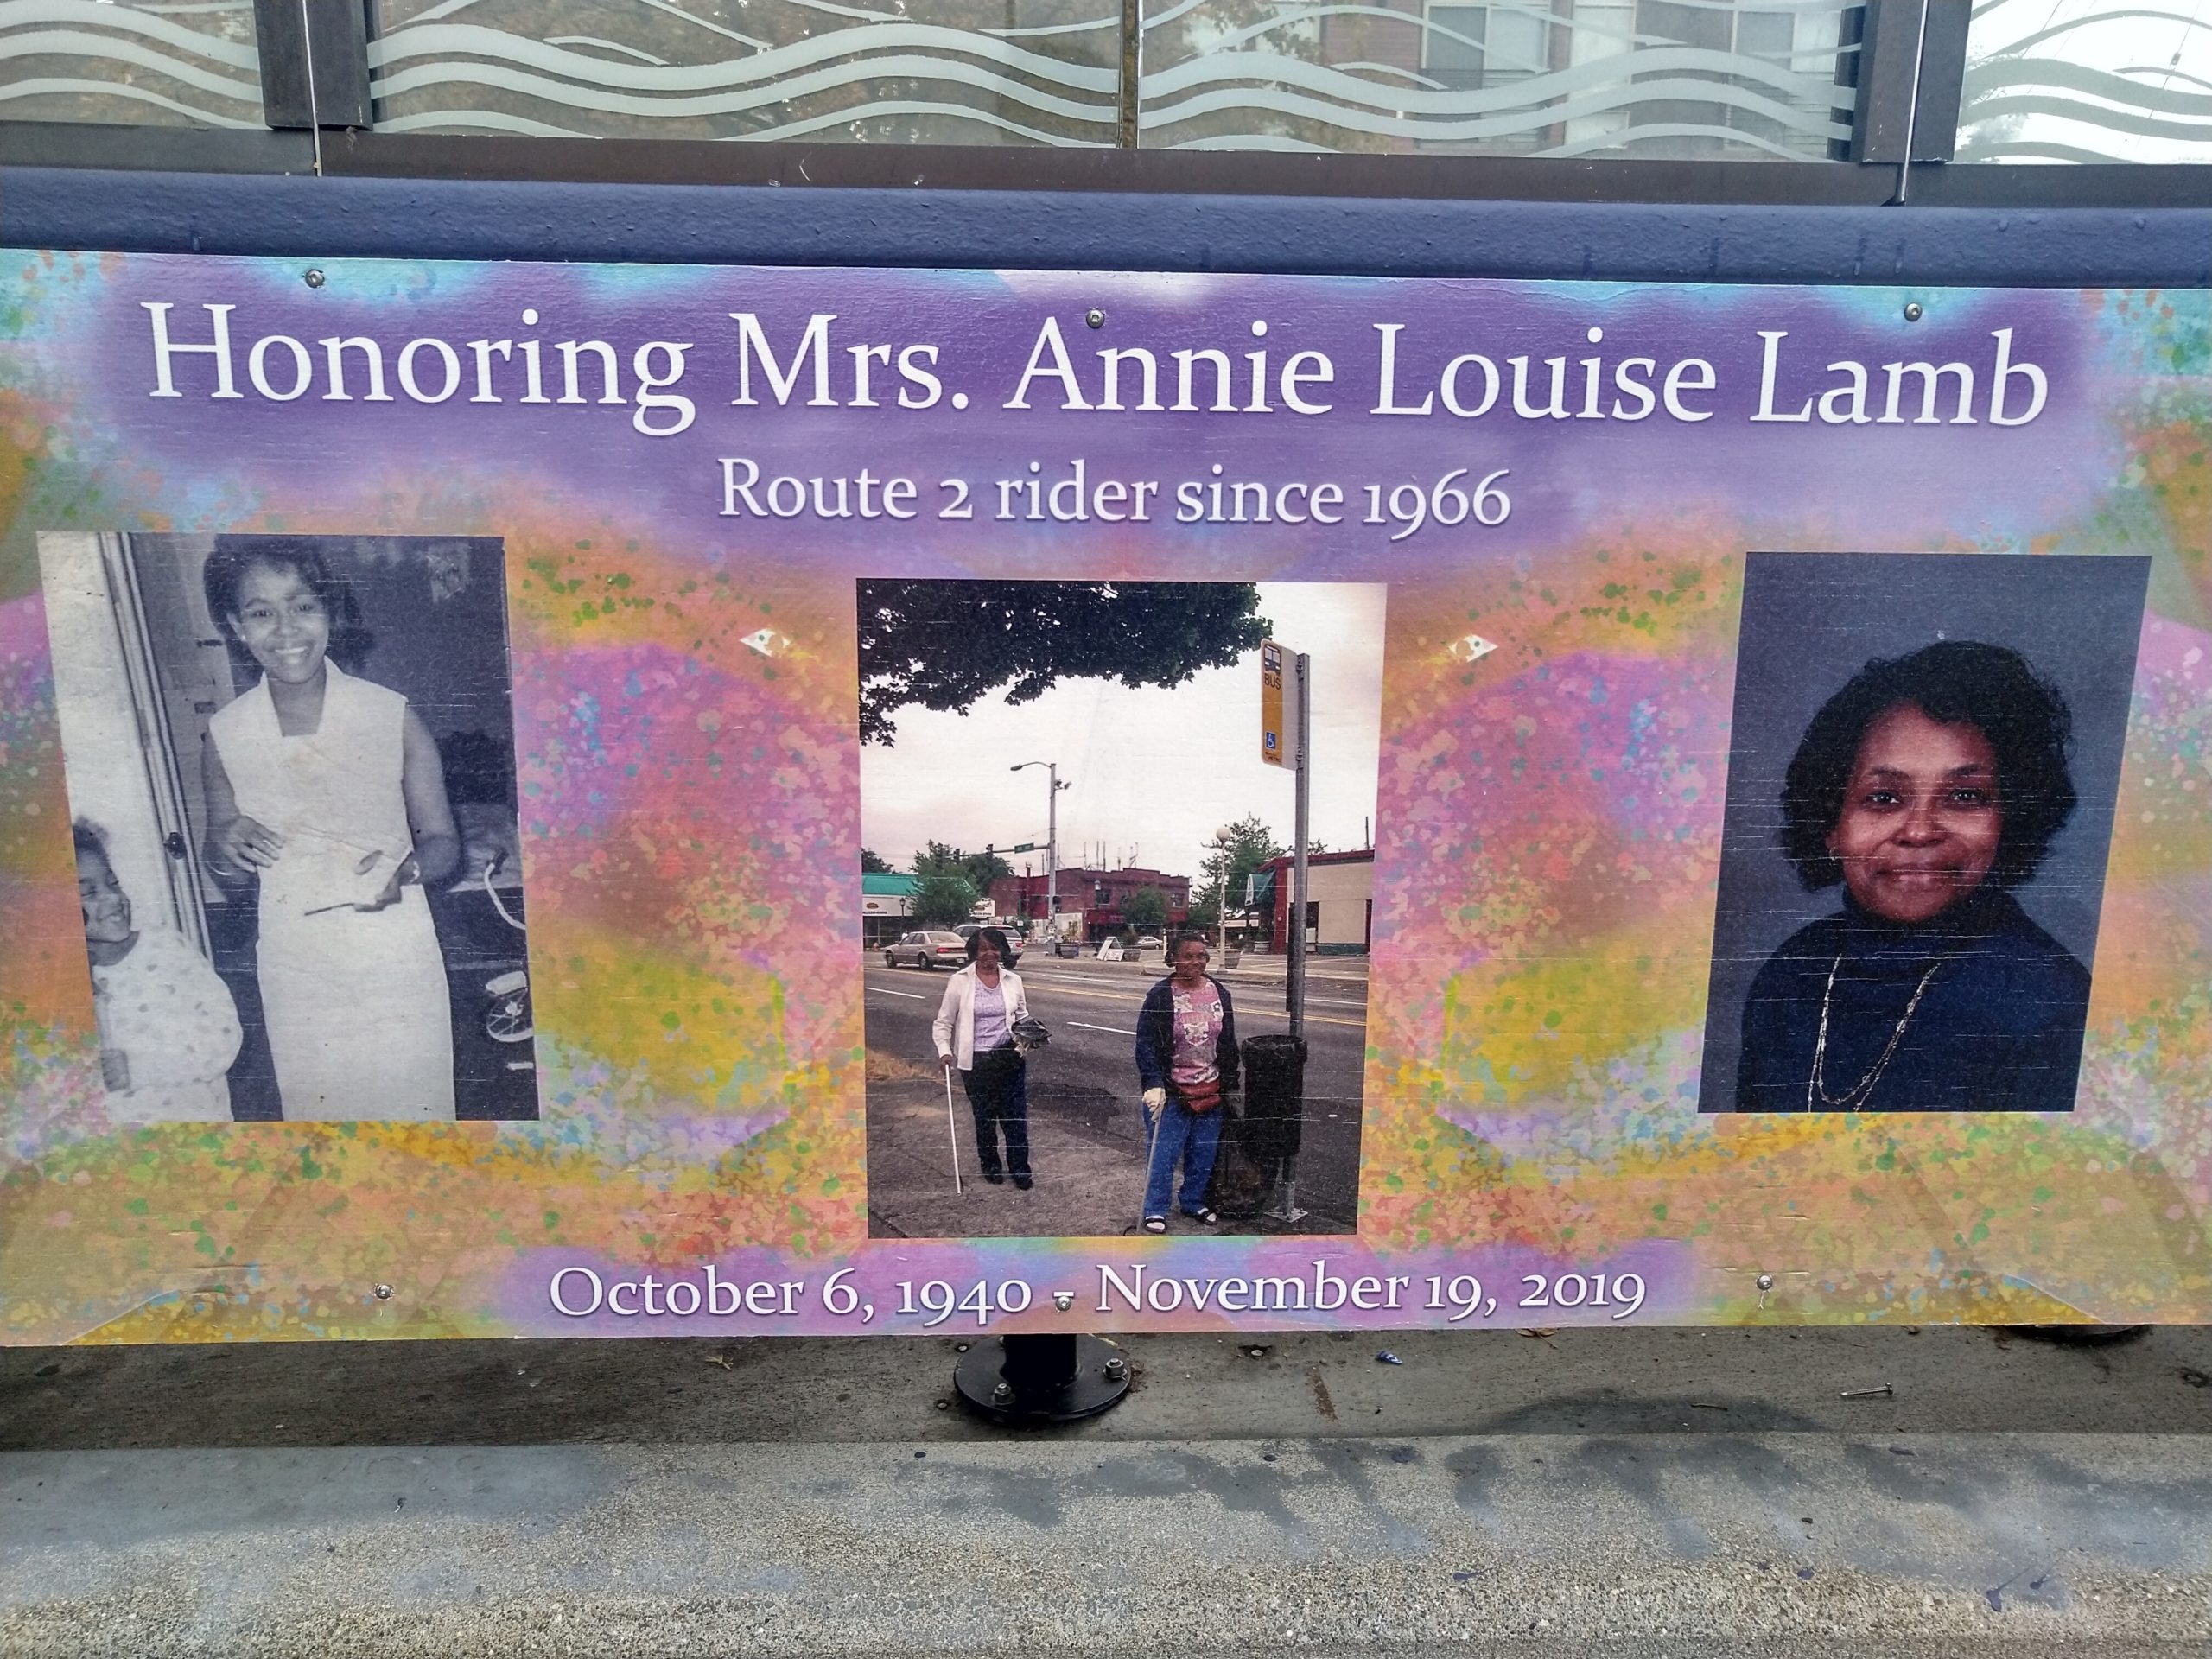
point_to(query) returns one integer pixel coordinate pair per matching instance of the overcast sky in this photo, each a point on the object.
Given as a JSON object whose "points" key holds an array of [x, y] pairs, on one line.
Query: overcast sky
{"points": [[1153, 773]]}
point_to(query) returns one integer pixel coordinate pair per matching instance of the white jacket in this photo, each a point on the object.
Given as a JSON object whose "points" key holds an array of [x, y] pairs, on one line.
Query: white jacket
{"points": [[954, 1026]]}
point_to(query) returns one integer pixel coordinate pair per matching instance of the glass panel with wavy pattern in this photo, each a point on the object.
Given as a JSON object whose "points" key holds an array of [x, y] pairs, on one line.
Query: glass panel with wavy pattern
{"points": [[936, 72], [1619, 78], [2088, 80], [191, 64]]}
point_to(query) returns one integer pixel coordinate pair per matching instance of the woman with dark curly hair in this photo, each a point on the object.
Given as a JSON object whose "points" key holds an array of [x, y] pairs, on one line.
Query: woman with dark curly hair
{"points": [[1928, 787]]}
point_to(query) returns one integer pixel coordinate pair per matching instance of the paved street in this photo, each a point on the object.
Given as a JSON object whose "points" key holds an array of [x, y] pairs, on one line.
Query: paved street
{"points": [[1085, 1125]]}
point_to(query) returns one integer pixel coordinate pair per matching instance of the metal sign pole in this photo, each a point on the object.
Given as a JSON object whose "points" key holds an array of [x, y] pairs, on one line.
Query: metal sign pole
{"points": [[1294, 981]]}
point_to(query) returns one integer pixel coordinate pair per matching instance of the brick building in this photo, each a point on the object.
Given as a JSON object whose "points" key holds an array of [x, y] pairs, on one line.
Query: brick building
{"points": [[1095, 895], [1339, 901]]}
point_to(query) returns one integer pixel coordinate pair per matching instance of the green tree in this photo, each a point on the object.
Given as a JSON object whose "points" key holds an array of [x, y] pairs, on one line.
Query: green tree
{"points": [[945, 644], [1241, 849], [944, 900], [873, 863], [978, 870], [1146, 908]]}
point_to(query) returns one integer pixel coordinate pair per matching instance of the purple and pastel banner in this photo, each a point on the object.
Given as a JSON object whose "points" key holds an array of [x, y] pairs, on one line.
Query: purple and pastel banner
{"points": [[612, 800]]}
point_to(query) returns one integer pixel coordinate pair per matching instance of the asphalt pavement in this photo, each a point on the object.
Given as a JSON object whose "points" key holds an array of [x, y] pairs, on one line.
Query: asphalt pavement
{"points": [[1086, 1126]]}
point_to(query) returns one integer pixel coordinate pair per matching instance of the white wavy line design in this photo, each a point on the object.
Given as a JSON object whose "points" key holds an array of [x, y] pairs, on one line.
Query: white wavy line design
{"points": [[601, 78], [1608, 74], [117, 47], [2024, 102], [439, 58], [37, 86], [1239, 81], [784, 90], [876, 109], [72, 43], [1440, 125], [100, 21]]}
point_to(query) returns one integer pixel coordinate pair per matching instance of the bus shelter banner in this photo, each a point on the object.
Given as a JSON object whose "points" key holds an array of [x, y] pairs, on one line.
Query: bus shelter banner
{"points": [[608, 800]]}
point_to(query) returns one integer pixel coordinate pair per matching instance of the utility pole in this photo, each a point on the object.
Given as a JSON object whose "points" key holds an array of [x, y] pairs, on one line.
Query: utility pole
{"points": [[1052, 788], [1295, 981]]}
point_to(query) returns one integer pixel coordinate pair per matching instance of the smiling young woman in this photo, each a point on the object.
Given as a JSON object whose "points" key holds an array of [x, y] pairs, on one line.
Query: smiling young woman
{"points": [[324, 790]]}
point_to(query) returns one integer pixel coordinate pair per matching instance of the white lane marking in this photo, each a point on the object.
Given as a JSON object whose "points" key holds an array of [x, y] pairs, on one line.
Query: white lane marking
{"points": [[885, 990], [1260, 1013], [1138, 992], [1115, 1030]]}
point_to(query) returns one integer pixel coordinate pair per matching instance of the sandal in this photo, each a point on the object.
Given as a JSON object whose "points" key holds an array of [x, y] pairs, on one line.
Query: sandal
{"points": [[1205, 1218], [1155, 1224]]}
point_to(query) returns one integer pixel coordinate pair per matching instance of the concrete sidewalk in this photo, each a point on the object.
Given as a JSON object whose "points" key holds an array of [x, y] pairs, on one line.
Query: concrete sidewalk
{"points": [[1702, 1494], [1549, 1545]]}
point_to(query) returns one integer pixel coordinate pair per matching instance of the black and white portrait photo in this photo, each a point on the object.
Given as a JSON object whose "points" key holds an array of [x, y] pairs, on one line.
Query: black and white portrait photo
{"points": [[1921, 775], [290, 768]]}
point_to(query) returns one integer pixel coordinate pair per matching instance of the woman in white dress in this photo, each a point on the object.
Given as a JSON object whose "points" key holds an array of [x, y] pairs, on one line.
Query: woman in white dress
{"points": [[327, 790]]}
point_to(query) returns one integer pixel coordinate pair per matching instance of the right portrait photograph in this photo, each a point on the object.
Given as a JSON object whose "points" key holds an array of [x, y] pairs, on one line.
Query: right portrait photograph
{"points": [[1922, 772]]}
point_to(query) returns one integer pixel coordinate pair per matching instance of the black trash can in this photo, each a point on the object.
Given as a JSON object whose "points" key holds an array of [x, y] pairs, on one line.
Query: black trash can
{"points": [[1258, 1140], [1275, 1093]]}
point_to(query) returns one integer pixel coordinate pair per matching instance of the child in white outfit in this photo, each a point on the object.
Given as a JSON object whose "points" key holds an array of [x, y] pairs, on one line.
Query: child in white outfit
{"points": [[169, 1028]]}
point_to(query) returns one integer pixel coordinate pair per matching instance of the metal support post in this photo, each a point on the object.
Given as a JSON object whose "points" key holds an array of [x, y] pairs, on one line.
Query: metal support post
{"points": [[1283, 1203], [1295, 981], [1051, 1377]]}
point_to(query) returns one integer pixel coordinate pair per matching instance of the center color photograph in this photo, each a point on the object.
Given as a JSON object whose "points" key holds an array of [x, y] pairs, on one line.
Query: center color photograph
{"points": [[1077, 878]]}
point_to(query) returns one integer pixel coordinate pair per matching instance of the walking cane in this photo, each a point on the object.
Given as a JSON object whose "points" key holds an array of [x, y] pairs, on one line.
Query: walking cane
{"points": [[952, 1128], [1152, 1141]]}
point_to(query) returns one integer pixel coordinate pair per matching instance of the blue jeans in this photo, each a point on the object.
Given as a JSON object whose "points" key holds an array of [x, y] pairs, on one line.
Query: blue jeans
{"points": [[1184, 1136]]}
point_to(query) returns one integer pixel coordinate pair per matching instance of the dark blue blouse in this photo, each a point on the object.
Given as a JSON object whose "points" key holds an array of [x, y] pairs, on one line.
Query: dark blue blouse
{"points": [[1998, 1028]]}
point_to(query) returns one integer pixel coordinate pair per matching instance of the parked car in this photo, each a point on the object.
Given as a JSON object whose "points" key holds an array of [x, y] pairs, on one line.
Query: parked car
{"points": [[1013, 938], [927, 949]]}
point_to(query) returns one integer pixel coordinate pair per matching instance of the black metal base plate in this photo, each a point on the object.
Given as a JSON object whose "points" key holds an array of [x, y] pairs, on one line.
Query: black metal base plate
{"points": [[990, 1388]]}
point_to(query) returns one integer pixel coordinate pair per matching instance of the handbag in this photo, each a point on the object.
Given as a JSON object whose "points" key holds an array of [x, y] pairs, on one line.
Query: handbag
{"points": [[1199, 1096], [1029, 1033]]}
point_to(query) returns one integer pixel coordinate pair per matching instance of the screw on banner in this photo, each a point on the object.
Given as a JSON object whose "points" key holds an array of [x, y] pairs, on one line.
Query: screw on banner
{"points": [[1063, 1300], [1095, 318], [1912, 311], [1765, 1282], [315, 278], [384, 1293], [1472, 648]]}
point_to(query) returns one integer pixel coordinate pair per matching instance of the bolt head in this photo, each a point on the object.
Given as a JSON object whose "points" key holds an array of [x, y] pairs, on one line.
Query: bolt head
{"points": [[1117, 1368], [384, 1293], [1003, 1393], [1095, 318], [1766, 1282], [1063, 1300], [1912, 311], [315, 278]]}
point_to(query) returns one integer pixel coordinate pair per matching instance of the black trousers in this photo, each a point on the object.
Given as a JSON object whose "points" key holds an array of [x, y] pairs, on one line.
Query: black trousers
{"points": [[998, 1093]]}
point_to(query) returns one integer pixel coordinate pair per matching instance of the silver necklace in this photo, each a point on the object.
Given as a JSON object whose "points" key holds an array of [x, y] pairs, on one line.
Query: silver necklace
{"points": [[1851, 1099]]}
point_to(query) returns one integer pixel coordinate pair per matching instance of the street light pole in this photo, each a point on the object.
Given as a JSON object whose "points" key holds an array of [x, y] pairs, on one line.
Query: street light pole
{"points": [[1052, 788], [1223, 838], [1294, 980]]}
